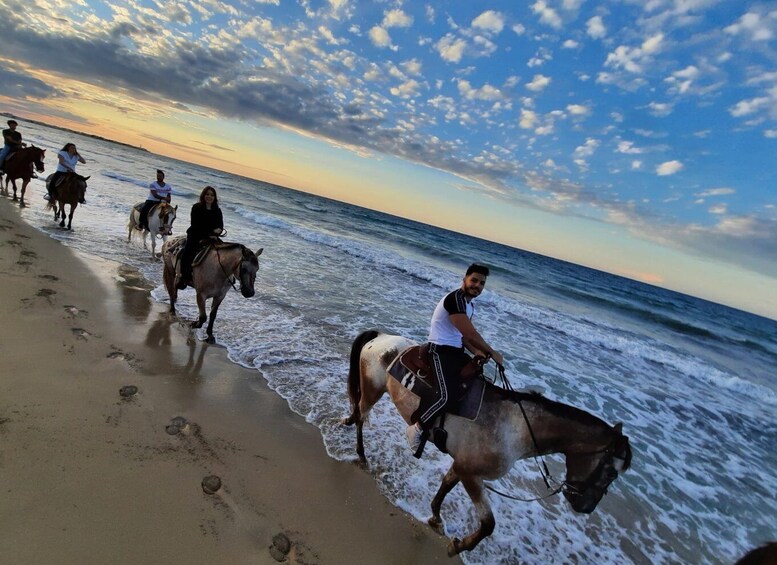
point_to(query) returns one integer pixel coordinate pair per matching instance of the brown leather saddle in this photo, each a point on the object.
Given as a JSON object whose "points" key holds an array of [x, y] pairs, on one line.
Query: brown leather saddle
{"points": [[413, 369]]}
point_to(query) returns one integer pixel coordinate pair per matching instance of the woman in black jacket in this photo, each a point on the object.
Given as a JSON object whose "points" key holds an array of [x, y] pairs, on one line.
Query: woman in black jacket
{"points": [[207, 222]]}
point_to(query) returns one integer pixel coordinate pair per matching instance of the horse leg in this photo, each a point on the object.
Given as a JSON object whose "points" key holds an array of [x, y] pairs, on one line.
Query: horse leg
{"points": [[70, 216], [25, 182], [450, 480], [474, 488], [201, 306], [214, 308], [13, 183], [169, 276], [62, 214]]}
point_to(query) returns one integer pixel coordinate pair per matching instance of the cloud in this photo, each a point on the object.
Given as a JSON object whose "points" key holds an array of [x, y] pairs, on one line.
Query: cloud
{"points": [[715, 192], [570, 44], [396, 18], [528, 119], [380, 37], [660, 109], [668, 168], [451, 48], [628, 148], [634, 59], [578, 110], [595, 28], [548, 15], [489, 21], [407, 89], [747, 107], [538, 83], [718, 209], [486, 92], [756, 27], [519, 29]]}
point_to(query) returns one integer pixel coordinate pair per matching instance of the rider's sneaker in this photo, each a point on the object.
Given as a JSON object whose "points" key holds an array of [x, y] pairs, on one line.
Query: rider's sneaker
{"points": [[47, 197], [413, 436], [82, 201]]}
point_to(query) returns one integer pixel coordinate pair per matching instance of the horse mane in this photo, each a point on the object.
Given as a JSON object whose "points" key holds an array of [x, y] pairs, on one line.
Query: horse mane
{"points": [[556, 408], [568, 412]]}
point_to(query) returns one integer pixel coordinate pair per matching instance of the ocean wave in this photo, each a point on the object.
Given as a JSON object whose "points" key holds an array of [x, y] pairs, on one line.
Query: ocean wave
{"points": [[125, 178], [374, 254]]}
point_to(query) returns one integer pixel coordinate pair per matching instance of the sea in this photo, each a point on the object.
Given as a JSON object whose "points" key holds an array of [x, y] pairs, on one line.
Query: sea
{"points": [[693, 382]]}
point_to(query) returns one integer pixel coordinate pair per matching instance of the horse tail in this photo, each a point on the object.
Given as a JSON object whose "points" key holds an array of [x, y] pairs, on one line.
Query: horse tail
{"points": [[354, 372]]}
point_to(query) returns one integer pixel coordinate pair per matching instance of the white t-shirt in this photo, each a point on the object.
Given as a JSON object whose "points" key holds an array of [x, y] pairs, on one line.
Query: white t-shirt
{"points": [[71, 160], [164, 191], [442, 331]]}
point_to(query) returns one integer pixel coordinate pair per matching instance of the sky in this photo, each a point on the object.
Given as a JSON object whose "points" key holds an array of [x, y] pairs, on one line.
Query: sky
{"points": [[634, 136]]}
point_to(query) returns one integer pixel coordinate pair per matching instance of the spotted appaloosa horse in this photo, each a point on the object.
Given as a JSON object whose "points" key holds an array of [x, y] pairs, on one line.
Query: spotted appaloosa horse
{"points": [[213, 277], [160, 223], [19, 165], [486, 448]]}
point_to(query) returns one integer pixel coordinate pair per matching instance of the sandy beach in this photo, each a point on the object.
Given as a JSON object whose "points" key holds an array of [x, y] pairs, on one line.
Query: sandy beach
{"points": [[89, 476]]}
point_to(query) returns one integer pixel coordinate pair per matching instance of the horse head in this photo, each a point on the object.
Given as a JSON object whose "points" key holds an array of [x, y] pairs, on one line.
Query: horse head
{"points": [[589, 474], [38, 156], [249, 265], [167, 213]]}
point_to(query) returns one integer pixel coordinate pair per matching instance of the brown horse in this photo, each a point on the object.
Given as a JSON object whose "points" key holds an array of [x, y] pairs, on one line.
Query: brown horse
{"points": [[70, 190], [510, 426], [18, 165], [212, 277]]}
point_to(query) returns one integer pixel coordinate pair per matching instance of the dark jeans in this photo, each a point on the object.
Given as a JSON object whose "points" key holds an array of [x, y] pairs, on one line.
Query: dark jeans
{"points": [[144, 210], [446, 362], [190, 249]]}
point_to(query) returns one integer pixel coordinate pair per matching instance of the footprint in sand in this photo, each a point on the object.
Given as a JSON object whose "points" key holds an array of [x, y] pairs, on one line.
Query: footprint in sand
{"points": [[48, 277], [128, 358], [74, 311], [81, 333], [46, 292], [281, 546]]}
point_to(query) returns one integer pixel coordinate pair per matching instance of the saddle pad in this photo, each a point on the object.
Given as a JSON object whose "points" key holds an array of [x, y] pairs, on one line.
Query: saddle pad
{"points": [[138, 206], [422, 386], [201, 254]]}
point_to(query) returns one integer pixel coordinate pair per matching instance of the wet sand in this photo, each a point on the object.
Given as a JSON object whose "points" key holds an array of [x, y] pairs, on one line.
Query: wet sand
{"points": [[89, 476]]}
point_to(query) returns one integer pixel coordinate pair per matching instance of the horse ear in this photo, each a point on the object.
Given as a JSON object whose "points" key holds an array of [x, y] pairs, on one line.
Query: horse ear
{"points": [[259, 252], [618, 428], [87, 178], [176, 207]]}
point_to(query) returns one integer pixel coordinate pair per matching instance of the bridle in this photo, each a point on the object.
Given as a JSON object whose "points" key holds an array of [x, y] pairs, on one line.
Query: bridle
{"points": [[566, 486], [231, 277]]}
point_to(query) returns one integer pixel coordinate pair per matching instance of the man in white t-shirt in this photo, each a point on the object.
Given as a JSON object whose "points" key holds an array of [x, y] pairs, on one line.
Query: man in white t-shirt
{"points": [[450, 333], [158, 191]]}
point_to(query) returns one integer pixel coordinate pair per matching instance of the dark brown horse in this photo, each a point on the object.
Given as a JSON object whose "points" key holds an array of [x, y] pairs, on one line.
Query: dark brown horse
{"points": [[70, 190], [19, 165], [510, 426], [212, 277]]}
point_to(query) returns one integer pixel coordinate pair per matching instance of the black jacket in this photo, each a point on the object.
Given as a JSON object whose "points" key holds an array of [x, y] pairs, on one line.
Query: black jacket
{"points": [[204, 221]]}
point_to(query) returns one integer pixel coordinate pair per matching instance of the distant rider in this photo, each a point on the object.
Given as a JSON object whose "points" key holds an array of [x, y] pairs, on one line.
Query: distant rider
{"points": [[450, 332], [206, 222], [12, 142], [68, 157], [158, 191]]}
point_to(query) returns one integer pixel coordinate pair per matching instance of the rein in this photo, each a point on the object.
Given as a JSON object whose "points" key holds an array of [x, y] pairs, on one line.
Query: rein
{"points": [[547, 477], [223, 270]]}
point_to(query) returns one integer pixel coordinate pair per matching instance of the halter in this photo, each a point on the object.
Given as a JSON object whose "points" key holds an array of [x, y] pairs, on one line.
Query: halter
{"points": [[565, 486]]}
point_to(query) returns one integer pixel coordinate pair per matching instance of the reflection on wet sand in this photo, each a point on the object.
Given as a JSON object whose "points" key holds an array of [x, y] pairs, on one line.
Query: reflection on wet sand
{"points": [[159, 337], [134, 292]]}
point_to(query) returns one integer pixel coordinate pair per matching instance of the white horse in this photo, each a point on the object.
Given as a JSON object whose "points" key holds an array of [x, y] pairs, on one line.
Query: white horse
{"points": [[160, 223]]}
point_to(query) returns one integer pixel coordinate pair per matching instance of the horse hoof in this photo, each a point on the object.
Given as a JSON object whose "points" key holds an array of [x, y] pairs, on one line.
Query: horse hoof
{"points": [[436, 524], [347, 421], [210, 339], [453, 547]]}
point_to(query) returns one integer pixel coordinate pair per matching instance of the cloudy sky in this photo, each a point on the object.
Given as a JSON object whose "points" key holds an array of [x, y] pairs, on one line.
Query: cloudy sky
{"points": [[633, 136]]}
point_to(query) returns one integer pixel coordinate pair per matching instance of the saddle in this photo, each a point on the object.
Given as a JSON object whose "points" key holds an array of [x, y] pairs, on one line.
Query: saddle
{"points": [[412, 368], [177, 248]]}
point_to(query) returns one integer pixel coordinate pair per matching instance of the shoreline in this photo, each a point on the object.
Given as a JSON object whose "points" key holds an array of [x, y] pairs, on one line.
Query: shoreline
{"points": [[89, 476]]}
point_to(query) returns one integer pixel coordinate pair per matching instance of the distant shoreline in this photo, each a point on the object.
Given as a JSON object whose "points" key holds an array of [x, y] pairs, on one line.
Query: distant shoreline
{"points": [[12, 116]]}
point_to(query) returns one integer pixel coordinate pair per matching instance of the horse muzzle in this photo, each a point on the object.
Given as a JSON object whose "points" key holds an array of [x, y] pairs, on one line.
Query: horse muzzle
{"points": [[247, 292], [584, 503]]}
